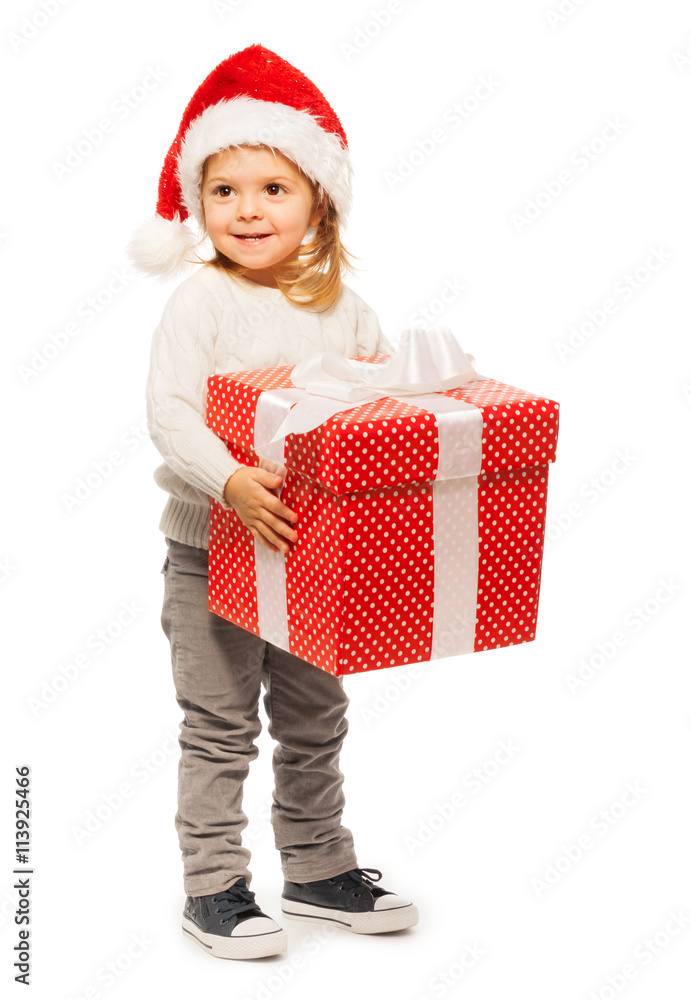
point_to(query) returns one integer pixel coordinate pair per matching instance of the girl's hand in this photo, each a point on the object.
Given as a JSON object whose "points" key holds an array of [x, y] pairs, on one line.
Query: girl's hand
{"points": [[248, 492]]}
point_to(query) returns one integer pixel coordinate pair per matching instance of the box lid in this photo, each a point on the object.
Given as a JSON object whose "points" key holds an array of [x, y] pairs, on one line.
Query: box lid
{"points": [[385, 442]]}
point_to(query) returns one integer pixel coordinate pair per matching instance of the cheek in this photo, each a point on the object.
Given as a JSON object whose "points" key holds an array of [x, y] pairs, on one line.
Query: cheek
{"points": [[216, 224], [215, 218], [300, 221], [207, 217]]}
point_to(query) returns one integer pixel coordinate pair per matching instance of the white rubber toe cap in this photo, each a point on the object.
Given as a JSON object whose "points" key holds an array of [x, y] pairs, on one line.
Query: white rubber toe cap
{"points": [[253, 926], [390, 902]]}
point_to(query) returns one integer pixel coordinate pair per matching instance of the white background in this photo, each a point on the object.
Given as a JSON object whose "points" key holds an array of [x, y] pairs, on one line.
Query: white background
{"points": [[615, 573]]}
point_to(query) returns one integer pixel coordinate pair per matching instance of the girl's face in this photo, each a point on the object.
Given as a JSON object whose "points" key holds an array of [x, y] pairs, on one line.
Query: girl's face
{"points": [[257, 207]]}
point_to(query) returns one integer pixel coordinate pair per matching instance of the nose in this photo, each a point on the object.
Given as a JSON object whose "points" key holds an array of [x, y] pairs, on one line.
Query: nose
{"points": [[248, 206]]}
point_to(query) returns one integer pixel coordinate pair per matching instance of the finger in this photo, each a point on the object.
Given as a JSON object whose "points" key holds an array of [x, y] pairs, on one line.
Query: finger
{"points": [[278, 527], [279, 541], [269, 479], [261, 538], [271, 539], [280, 509]]}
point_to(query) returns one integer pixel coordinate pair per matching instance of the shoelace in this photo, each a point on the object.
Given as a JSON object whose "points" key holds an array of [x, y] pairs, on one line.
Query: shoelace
{"points": [[357, 876], [235, 900]]}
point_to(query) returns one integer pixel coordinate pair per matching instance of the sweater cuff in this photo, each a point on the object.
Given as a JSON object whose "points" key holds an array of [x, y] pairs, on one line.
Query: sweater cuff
{"points": [[219, 495]]}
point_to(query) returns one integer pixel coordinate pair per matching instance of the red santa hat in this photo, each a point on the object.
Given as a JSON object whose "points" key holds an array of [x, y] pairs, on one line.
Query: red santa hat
{"points": [[252, 98]]}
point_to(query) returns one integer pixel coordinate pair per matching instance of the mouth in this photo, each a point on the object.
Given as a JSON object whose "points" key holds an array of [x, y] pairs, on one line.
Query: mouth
{"points": [[251, 237]]}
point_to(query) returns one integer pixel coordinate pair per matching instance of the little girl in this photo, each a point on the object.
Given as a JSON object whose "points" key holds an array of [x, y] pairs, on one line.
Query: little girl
{"points": [[261, 161]]}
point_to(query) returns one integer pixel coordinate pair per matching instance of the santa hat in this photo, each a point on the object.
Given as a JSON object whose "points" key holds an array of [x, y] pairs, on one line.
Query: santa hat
{"points": [[252, 98]]}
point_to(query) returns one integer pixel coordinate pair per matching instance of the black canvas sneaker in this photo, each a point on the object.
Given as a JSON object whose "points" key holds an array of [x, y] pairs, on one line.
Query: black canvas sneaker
{"points": [[350, 900], [229, 924]]}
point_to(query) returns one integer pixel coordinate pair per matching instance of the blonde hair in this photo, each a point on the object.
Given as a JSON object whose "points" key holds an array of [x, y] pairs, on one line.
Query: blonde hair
{"points": [[312, 278]]}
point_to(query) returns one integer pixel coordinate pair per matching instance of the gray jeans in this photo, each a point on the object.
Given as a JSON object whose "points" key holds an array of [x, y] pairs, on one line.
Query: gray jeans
{"points": [[218, 669]]}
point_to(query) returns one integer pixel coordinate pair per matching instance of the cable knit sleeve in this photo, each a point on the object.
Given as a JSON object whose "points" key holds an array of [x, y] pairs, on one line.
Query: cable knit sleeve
{"points": [[182, 358], [369, 334]]}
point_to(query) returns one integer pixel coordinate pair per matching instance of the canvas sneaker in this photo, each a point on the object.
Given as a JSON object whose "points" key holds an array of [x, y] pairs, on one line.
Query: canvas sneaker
{"points": [[229, 924], [350, 900]]}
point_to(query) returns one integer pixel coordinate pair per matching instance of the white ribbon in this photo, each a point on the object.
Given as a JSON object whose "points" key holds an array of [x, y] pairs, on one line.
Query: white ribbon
{"points": [[427, 363]]}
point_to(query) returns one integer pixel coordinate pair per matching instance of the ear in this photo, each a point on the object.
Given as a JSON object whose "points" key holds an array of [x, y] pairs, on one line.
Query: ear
{"points": [[319, 211]]}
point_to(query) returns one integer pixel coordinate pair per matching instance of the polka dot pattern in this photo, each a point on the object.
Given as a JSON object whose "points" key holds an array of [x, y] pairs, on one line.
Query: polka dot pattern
{"points": [[232, 579], [520, 429], [395, 443], [511, 521], [381, 443], [359, 584], [360, 579]]}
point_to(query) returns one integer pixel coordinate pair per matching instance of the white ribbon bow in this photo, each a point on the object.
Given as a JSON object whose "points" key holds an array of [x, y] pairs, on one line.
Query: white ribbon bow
{"points": [[426, 361]]}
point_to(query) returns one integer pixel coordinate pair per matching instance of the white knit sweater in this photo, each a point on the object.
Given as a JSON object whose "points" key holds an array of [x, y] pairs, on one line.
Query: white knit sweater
{"points": [[215, 323]]}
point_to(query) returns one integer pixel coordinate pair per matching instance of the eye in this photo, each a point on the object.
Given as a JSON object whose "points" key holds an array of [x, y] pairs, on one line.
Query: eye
{"points": [[222, 191], [275, 189]]}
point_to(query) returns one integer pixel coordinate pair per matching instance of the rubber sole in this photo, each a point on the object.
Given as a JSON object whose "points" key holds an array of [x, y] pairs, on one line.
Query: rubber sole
{"points": [[250, 946], [374, 922]]}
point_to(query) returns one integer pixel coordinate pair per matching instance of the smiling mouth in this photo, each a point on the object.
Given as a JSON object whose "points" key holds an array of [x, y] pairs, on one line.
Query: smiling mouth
{"points": [[252, 237]]}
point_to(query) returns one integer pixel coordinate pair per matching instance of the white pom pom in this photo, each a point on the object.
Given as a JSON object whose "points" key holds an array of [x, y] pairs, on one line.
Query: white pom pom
{"points": [[162, 247]]}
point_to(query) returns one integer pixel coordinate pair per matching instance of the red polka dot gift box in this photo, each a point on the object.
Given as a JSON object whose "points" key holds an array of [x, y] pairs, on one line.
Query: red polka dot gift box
{"points": [[421, 515]]}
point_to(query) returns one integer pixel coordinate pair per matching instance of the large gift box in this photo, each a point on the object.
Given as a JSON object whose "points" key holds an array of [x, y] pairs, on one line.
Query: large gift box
{"points": [[421, 514]]}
